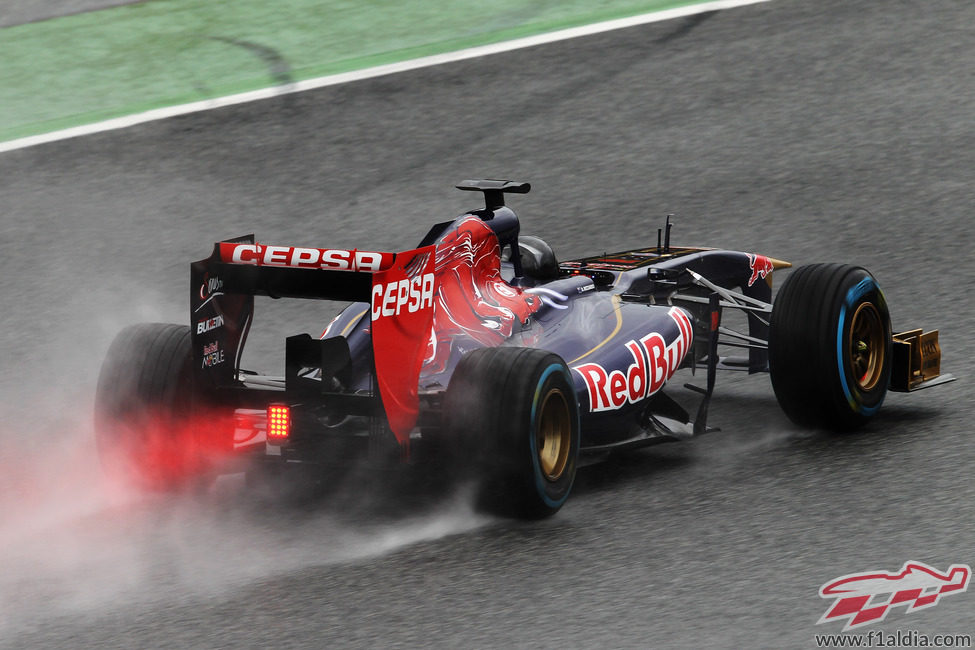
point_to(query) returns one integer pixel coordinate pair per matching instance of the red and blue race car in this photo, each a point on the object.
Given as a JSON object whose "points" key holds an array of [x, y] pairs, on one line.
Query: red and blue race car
{"points": [[479, 350]]}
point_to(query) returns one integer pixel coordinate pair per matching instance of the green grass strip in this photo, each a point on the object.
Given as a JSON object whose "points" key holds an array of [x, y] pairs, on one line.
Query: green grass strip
{"points": [[94, 66]]}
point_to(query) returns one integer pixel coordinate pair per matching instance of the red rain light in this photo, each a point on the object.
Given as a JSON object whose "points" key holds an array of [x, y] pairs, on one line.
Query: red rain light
{"points": [[278, 423]]}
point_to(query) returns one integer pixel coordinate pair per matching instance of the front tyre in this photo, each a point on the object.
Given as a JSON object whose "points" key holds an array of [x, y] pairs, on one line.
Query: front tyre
{"points": [[151, 427], [830, 346], [513, 419]]}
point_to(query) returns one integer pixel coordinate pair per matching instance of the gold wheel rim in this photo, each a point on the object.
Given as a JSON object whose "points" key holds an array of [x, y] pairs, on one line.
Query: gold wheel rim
{"points": [[867, 346], [553, 436]]}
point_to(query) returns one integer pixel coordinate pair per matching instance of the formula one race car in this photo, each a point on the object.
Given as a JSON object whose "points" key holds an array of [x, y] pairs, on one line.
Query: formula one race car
{"points": [[478, 350]]}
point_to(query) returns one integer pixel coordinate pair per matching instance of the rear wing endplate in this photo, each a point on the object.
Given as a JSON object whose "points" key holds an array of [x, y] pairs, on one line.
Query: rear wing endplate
{"points": [[399, 287]]}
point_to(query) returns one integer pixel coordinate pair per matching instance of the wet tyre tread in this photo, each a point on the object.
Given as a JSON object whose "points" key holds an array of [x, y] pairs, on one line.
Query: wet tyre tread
{"points": [[803, 362]]}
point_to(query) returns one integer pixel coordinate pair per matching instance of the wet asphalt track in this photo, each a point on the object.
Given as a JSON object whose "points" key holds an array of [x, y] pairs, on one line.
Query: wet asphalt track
{"points": [[809, 131]]}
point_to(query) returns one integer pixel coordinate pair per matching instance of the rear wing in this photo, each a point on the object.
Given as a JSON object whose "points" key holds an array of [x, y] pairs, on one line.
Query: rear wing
{"points": [[400, 288]]}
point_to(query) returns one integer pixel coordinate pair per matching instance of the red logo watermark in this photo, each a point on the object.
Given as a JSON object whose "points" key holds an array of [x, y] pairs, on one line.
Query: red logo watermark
{"points": [[864, 598]]}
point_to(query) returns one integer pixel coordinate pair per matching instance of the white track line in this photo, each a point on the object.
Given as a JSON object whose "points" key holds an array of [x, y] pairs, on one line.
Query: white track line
{"points": [[367, 73]]}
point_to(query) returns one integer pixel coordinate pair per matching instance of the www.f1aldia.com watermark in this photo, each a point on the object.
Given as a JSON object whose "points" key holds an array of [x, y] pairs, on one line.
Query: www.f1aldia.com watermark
{"points": [[864, 598], [896, 639]]}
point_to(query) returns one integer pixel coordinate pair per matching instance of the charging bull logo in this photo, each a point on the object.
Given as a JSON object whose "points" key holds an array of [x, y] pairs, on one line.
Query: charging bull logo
{"points": [[761, 267], [863, 598], [472, 299], [654, 362]]}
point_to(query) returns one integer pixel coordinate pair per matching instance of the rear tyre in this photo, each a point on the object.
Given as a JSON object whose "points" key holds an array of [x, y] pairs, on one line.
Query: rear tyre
{"points": [[512, 418], [152, 429], [830, 346]]}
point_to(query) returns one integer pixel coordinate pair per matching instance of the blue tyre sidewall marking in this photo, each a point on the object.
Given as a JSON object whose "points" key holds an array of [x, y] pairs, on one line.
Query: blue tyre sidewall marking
{"points": [[537, 473], [863, 287]]}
